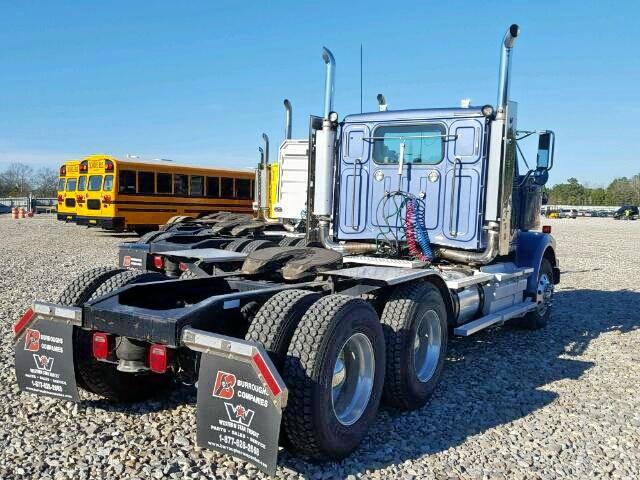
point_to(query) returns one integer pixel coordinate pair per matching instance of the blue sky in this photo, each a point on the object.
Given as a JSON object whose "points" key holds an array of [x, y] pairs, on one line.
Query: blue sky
{"points": [[200, 81]]}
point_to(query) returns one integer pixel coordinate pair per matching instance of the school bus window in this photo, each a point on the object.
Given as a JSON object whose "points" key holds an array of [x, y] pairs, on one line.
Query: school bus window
{"points": [[226, 187], [71, 185], [213, 187], [180, 184], [95, 183], [164, 183], [146, 182], [82, 183], [127, 181], [243, 188], [197, 185], [61, 185], [108, 183]]}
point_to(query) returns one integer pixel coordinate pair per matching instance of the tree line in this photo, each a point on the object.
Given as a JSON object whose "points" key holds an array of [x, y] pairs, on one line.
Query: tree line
{"points": [[20, 180], [621, 191]]}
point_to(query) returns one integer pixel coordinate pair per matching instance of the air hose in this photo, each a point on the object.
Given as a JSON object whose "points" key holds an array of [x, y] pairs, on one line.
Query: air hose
{"points": [[416, 232]]}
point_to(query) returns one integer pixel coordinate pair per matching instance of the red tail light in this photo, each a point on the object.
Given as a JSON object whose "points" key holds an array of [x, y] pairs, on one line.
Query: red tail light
{"points": [[23, 322], [63, 171], [106, 199], [546, 229], [158, 262], [80, 198], [101, 345], [84, 166], [60, 199], [183, 267], [158, 358], [108, 166]]}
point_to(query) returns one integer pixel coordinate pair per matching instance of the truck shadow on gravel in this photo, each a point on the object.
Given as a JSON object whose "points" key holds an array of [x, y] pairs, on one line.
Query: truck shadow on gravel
{"points": [[491, 379]]}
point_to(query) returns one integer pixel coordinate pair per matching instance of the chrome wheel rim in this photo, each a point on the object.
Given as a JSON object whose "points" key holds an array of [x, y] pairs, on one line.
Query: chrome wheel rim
{"points": [[427, 344], [545, 293], [352, 380]]}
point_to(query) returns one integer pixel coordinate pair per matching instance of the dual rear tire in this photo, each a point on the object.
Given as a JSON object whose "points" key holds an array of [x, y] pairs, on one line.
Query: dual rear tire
{"points": [[339, 360]]}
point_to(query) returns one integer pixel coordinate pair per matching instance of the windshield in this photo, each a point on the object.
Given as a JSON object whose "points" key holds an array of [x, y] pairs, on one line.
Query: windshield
{"points": [[71, 184], [61, 185], [95, 182], [82, 183]]}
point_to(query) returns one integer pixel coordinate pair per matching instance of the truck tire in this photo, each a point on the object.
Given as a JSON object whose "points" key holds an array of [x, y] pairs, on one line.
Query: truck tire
{"points": [[99, 377], [334, 371], [538, 318], [287, 241], [277, 319], [187, 274], [257, 245], [414, 321], [237, 245]]}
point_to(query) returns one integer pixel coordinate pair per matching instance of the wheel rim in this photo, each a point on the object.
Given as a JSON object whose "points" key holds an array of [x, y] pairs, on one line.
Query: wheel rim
{"points": [[427, 345], [352, 380], [545, 293]]}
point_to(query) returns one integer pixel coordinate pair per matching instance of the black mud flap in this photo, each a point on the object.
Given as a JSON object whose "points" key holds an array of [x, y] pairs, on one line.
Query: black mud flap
{"points": [[44, 352], [240, 399]]}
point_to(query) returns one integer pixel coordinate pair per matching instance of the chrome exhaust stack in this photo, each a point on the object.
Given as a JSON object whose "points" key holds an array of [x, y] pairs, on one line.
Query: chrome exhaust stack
{"points": [[262, 180], [382, 103], [287, 121], [505, 67]]}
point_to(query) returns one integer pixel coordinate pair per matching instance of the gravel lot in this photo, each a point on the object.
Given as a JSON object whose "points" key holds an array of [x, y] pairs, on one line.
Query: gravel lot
{"points": [[560, 402]]}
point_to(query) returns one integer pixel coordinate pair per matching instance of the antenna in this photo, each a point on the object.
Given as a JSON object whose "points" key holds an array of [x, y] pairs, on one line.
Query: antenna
{"points": [[360, 78]]}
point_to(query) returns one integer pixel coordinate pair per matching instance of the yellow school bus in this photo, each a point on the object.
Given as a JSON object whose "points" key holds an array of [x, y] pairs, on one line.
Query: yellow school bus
{"points": [[140, 195], [67, 186]]}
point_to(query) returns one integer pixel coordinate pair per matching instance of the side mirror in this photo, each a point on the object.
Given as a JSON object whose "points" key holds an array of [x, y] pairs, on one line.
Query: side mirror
{"points": [[546, 145]]}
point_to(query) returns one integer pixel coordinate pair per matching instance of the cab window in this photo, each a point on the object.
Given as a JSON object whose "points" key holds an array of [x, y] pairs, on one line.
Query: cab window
{"points": [[164, 183], [146, 182], [127, 181], [180, 184], [226, 187], [95, 182], [71, 185], [61, 185], [213, 187], [243, 188], [423, 144], [197, 185], [82, 183], [108, 183]]}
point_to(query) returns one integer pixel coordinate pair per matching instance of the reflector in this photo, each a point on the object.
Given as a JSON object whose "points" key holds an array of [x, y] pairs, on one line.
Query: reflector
{"points": [[546, 229]]}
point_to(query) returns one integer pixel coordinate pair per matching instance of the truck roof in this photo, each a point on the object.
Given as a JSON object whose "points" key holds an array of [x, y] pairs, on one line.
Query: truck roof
{"points": [[414, 114]]}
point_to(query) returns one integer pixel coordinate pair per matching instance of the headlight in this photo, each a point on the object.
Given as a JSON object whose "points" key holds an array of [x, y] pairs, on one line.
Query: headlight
{"points": [[333, 116], [487, 111]]}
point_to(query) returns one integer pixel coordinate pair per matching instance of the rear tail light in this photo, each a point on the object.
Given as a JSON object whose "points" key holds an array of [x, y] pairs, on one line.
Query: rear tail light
{"points": [[106, 199], [101, 345], [79, 198], [60, 199], [546, 229], [84, 166], [63, 171], [158, 262], [183, 267], [108, 166], [158, 357], [23, 322]]}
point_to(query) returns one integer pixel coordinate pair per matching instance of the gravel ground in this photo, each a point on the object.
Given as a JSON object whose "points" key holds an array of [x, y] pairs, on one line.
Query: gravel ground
{"points": [[560, 402]]}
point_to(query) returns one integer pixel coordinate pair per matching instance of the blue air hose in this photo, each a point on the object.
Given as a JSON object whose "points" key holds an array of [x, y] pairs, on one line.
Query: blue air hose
{"points": [[421, 233]]}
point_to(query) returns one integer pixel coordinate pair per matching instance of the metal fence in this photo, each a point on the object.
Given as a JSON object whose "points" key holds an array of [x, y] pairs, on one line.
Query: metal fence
{"points": [[29, 203]]}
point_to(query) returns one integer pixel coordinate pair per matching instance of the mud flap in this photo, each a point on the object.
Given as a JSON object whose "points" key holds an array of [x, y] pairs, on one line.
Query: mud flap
{"points": [[44, 352], [240, 398]]}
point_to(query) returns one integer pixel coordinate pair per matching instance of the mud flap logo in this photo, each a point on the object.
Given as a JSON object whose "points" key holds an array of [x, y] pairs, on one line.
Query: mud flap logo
{"points": [[126, 261], [223, 388], [43, 362], [239, 414], [32, 340]]}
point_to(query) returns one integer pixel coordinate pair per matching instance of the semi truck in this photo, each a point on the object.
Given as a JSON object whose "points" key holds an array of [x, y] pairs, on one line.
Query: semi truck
{"points": [[419, 225]]}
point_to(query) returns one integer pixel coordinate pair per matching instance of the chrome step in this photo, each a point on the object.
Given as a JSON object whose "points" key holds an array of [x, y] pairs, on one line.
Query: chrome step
{"points": [[479, 277], [493, 318], [384, 262]]}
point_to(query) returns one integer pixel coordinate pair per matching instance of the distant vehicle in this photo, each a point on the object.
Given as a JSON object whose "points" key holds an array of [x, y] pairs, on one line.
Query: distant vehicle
{"points": [[626, 212], [568, 213]]}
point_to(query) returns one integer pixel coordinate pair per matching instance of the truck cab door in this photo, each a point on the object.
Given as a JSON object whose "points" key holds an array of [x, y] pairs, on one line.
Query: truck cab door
{"points": [[463, 184]]}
